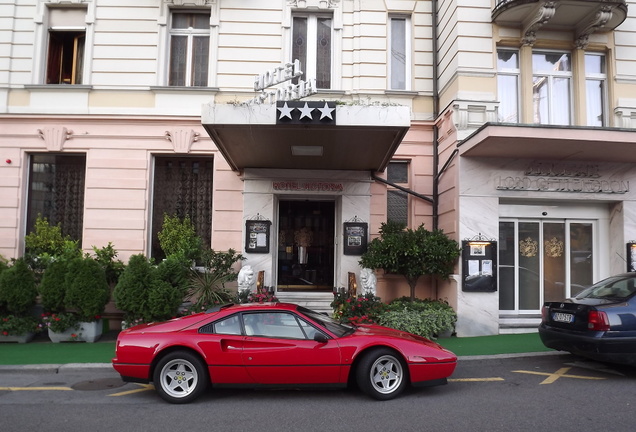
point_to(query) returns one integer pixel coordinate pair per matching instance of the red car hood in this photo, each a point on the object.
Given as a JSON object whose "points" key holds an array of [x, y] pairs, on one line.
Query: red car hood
{"points": [[172, 325]]}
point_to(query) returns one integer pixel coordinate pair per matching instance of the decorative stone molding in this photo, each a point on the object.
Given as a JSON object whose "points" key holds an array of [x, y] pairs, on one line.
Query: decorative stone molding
{"points": [[531, 27], [595, 23], [470, 115], [625, 116], [197, 3], [446, 126], [54, 137], [182, 139]]}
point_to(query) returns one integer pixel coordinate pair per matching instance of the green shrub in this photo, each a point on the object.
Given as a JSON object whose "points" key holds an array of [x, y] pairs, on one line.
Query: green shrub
{"points": [[18, 290], [46, 243], [106, 257], [426, 318], [147, 293], [87, 290], [53, 286], [163, 301], [131, 292], [12, 325], [179, 237]]}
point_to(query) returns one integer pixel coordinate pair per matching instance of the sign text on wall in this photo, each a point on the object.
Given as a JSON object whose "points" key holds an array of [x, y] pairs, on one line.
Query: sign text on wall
{"points": [[308, 186]]}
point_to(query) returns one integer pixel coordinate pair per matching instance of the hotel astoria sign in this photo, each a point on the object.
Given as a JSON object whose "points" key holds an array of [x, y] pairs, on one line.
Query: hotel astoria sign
{"points": [[559, 177]]}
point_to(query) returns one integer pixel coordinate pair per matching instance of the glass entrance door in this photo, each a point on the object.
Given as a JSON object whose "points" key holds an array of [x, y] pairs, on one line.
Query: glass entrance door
{"points": [[543, 260], [306, 245]]}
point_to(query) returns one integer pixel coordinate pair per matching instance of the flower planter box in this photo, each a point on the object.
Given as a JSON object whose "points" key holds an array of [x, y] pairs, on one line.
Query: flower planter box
{"points": [[19, 339], [87, 332]]}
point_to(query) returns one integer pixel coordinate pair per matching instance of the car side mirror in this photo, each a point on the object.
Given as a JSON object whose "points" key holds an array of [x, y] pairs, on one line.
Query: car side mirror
{"points": [[320, 337]]}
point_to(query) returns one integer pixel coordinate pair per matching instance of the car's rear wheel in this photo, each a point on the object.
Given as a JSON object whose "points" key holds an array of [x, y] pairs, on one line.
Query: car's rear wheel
{"points": [[382, 374], [180, 377]]}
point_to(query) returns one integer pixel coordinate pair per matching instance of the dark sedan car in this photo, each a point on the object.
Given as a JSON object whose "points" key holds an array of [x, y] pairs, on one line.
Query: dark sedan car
{"points": [[276, 344], [599, 323]]}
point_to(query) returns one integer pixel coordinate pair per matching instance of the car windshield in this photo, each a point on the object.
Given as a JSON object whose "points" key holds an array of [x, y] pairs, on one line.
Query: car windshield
{"points": [[329, 323], [615, 288]]}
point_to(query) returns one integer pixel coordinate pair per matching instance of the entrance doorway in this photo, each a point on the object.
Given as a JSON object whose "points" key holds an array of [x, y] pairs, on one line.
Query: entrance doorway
{"points": [[305, 245], [543, 260]]}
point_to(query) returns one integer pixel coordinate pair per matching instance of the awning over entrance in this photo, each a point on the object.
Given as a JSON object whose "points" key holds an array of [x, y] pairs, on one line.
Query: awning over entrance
{"points": [[551, 142], [306, 135]]}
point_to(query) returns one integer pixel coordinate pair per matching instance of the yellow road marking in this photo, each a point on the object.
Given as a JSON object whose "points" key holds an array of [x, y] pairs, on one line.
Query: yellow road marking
{"points": [[475, 379], [34, 388], [561, 373], [145, 387]]}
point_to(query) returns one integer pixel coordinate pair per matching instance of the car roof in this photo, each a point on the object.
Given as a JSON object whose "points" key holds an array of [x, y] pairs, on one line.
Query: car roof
{"points": [[265, 305]]}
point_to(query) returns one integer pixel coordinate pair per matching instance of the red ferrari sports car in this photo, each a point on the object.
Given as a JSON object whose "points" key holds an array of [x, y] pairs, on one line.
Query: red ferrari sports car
{"points": [[275, 344]]}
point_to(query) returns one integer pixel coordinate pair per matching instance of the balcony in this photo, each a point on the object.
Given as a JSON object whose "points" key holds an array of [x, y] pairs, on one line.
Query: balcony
{"points": [[582, 17]]}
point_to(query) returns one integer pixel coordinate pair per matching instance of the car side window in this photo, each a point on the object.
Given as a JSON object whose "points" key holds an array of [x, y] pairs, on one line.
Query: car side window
{"points": [[273, 325], [229, 326]]}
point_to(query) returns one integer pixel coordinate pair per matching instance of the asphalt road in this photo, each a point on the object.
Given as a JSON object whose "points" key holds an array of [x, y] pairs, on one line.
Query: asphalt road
{"points": [[537, 393]]}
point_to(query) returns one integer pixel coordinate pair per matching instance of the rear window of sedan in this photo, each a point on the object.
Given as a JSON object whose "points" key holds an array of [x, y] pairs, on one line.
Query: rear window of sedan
{"points": [[615, 288]]}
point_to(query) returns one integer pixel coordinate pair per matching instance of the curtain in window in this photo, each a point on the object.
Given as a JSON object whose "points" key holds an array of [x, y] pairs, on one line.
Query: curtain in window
{"points": [[182, 187], [398, 54], [323, 53], [56, 192]]}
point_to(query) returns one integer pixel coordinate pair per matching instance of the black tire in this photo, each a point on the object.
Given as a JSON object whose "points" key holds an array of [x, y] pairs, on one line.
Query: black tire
{"points": [[180, 377], [382, 374]]}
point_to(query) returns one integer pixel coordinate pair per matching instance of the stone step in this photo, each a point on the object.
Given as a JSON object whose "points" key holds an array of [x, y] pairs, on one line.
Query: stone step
{"points": [[319, 302]]}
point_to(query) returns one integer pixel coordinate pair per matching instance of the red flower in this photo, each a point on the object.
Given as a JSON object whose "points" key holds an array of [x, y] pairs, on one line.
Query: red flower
{"points": [[6, 333]]}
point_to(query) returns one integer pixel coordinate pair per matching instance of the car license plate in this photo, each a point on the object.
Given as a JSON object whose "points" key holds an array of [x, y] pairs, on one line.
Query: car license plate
{"points": [[563, 317]]}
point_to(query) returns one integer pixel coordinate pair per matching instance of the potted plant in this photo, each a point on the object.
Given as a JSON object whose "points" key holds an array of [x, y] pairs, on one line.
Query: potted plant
{"points": [[207, 285], [18, 293], [178, 237], [85, 296]]}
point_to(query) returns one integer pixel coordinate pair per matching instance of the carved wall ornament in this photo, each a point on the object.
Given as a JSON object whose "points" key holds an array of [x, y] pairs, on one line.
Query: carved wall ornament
{"points": [[54, 137], [553, 248], [597, 22], [182, 139], [313, 4], [544, 14], [528, 248]]}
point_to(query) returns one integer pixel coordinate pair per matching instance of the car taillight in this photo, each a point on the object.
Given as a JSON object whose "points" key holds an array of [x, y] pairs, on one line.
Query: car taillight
{"points": [[545, 313], [597, 321]]}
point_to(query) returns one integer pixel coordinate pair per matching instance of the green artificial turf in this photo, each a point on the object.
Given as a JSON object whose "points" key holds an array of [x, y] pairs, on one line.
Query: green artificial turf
{"points": [[56, 353], [41, 351], [499, 344]]}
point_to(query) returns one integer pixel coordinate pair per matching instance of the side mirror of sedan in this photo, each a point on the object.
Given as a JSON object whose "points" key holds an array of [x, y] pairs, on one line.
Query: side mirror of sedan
{"points": [[320, 337]]}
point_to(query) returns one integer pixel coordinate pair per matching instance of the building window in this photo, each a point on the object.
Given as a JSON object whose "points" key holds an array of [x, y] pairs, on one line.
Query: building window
{"points": [[311, 44], [66, 46], [56, 192], [595, 86], [182, 187], [189, 49], [397, 201], [399, 53], [551, 88], [508, 85]]}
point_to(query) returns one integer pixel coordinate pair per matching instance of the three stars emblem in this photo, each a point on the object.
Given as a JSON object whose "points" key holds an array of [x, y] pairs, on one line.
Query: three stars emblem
{"points": [[285, 111]]}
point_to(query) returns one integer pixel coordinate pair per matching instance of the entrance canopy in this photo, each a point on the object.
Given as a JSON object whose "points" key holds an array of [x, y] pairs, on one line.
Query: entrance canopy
{"points": [[551, 142], [306, 134]]}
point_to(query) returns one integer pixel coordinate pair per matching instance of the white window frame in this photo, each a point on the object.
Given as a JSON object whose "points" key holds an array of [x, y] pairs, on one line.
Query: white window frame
{"points": [[551, 76], [407, 51], [190, 33], [599, 77], [309, 69], [516, 73]]}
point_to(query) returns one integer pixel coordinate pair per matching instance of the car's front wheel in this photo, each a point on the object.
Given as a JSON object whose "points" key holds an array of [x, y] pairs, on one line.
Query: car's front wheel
{"points": [[180, 377], [382, 374]]}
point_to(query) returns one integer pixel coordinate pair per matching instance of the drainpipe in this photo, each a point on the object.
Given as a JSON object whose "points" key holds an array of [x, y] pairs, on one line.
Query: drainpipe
{"points": [[436, 172]]}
